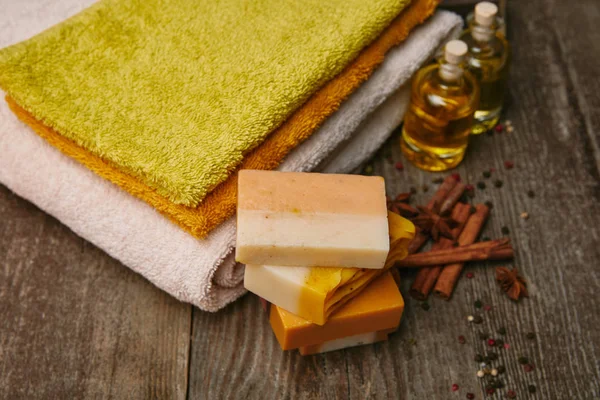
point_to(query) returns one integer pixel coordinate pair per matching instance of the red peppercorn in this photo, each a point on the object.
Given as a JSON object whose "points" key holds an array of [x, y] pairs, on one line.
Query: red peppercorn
{"points": [[456, 176], [469, 188], [508, 164], [454, 387], [470, 275], [528, 367], [399, 166], [511, 394], [491, 342], [490, 391], [487, 307], [461, 339], [470, 396], [499, 128]]}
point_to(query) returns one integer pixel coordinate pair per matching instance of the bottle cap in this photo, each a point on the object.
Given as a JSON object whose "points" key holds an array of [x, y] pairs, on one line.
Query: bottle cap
{"points": [[455, 51], [485, 13]]}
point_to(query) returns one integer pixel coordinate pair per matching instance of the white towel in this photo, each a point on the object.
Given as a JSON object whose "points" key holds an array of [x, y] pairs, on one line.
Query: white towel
{"points": [[203, 273]]}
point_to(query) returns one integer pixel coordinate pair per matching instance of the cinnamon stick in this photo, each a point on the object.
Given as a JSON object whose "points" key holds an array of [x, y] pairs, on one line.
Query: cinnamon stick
{"points": [[452, 198], [427, 277], [438, 198], [499, 249], [449, 275]]}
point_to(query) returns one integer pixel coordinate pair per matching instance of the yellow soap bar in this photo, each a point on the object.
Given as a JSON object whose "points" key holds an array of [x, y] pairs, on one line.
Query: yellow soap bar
{"points": [[378, 307], [311, 219], [314, 293]]}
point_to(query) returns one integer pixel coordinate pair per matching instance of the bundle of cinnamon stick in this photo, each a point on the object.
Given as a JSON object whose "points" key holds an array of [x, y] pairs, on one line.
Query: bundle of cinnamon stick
{"points": [[441, 267]]}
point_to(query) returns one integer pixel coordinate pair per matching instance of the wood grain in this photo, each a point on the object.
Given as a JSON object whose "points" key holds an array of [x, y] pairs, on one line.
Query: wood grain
{"points": [[75, 323]]}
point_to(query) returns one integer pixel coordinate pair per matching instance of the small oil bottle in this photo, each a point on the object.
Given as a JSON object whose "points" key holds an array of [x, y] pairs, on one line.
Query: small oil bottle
{"points": [[488, 61], [439, 118]]}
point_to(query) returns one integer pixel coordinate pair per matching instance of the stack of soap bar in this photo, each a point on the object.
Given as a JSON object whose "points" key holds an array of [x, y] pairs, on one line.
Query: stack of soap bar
{"points": [[367, 318], [314, 293], [311, 220], [313, 245]]}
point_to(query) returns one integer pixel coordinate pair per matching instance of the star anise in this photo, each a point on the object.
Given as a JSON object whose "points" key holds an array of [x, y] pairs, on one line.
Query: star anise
{"points": [[511, 282], [400, 206], [434, 224]]}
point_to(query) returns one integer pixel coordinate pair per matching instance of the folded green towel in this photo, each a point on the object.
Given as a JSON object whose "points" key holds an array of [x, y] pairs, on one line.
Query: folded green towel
{"points": [[175, 92]]}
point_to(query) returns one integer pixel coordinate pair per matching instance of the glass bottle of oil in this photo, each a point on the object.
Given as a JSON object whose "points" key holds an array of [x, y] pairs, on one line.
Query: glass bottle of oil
{"points": [[439, 118], [488, 61]]}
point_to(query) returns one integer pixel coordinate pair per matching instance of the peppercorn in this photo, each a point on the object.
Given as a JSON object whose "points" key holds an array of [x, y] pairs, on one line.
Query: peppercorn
{"points": [[490, 391], [530, 194], [478, 319], [511, 394], [481, 185], [470, 396], [461, 339], [523, 360], [483, 335], [368, 170], [491, 342], [498, 183], [502, 330], [492, 356], [485, 239], [528, 367], [399, 166], [425, 188], [425, 306], [499, 343], [508, 164], [531, 335], [505, 230], [487, 174], [478, 358], [489, 204], [531, 388], [501, 369], [454, 387], [413, 190], [437, 180], [477, 304], [470, 275]]}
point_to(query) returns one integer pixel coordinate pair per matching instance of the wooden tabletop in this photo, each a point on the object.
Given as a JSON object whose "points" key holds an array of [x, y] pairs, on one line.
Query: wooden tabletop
{"points": [[75, 323]]}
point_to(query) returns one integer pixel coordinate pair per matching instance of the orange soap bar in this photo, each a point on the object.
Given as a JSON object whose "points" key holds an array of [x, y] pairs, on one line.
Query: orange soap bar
{"points": [[378, 307]]}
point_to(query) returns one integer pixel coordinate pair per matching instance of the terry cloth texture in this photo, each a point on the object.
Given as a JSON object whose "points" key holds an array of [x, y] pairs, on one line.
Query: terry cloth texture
{"points": [[220, 203], [176, 92], [203, 273]]}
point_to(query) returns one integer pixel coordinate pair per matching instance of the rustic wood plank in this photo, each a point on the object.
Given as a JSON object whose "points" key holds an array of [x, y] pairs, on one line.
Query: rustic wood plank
{"points": [[554, 109], [75, 323]]}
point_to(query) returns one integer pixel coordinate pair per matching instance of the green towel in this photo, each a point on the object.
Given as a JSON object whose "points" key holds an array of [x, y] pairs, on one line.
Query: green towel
{"points": [[175, 92]]}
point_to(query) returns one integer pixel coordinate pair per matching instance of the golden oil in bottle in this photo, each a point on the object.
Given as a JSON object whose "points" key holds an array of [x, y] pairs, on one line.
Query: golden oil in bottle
{"points": [[439, 118], [488, 61]]}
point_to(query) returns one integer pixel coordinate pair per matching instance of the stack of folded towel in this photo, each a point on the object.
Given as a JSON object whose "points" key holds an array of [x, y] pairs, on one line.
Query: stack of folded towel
{"points": [[145, 111]]}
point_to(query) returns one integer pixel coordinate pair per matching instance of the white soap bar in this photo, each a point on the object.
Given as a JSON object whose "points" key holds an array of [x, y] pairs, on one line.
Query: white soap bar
{"points": [[344, 343], [308, 219]]}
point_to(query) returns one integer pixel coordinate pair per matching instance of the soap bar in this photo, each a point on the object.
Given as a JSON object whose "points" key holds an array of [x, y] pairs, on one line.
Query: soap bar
{"points": [[310, 219], [378, 307], [314, 293], [344, 343]]}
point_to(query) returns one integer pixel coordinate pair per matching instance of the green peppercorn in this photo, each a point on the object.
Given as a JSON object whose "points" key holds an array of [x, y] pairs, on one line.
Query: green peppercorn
{"points": [[481, 185], [483, 335], [505, 230], [502, 330], [531, 335], [425, 306], [532, 388], [478, 304], [523, 360], [501, 369], [487, 174], [489, 204], [498, 183], [499, 342]]}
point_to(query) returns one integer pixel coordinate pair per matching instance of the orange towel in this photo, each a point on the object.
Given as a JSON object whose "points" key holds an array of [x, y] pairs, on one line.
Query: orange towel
{"points": [[220, 204]]}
